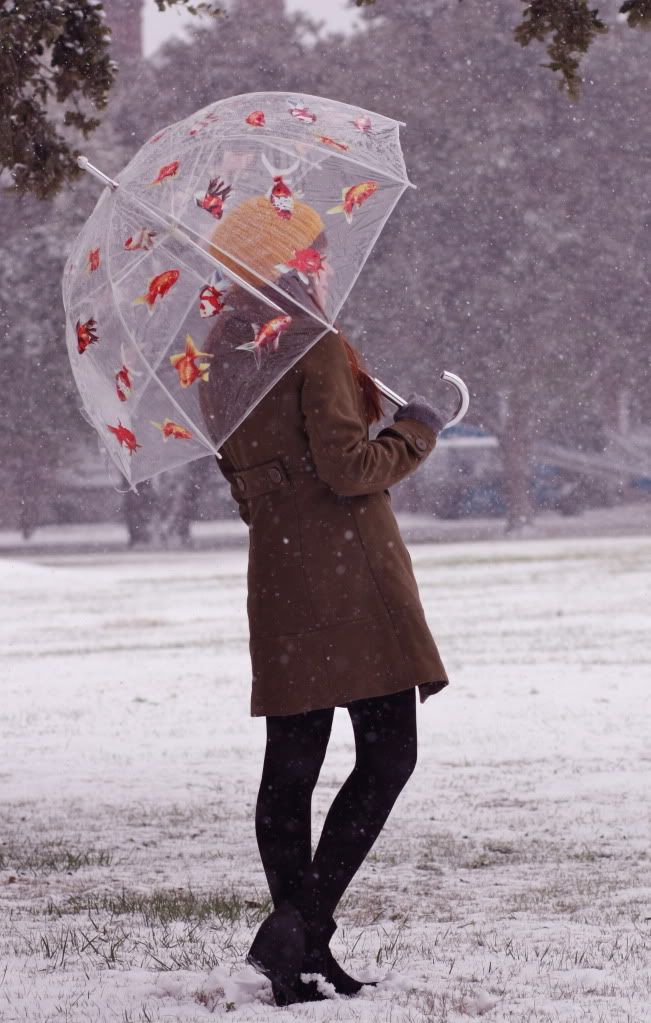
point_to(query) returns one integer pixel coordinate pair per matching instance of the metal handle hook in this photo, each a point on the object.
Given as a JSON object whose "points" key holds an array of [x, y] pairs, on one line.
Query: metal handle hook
{"points": [[452, 378], [464, 397]]}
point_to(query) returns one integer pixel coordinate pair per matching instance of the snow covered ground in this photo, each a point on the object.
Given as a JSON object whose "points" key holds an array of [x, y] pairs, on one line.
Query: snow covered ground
{"points": [[511, 880]]}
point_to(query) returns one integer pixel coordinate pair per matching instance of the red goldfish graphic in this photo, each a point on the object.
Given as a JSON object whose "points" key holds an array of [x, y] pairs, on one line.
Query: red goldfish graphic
{"points": [[362, 123], [202, 123], [86, 334], [341, 146], [304, 261], [354, 196], [124, 378], [186, 365], [93, 261], [125, 436], [213, 201], [123, 382], [211, 296], [301, 113], [158, 287], [167, 171], [144, 239], [256, 119], [171, 429], [267, 336], [160, 134], [282, 198]]}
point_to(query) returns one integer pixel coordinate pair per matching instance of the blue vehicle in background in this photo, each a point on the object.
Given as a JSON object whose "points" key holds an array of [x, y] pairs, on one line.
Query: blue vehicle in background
{"points": [[466, 479]]}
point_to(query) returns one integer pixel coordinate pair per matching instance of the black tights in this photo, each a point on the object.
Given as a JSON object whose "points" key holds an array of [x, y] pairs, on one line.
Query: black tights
{"points": [[385, 744]]}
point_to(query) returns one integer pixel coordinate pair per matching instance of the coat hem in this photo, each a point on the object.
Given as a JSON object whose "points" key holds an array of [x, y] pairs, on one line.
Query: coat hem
{"points": [[426, 689], [338, 664]]}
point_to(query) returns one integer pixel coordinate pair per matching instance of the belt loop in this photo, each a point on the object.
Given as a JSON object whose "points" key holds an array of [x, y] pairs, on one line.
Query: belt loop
{"points": [[276, 474], [261, 479]]}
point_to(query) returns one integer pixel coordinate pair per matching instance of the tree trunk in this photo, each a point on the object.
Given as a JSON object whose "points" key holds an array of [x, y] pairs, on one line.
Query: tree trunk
{"points": [[139, 512], [161, 513], [125, 20], [515, 442]]}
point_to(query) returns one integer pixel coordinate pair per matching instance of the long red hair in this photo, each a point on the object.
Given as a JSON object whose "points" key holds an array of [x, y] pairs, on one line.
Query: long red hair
{"points": [[370, 392]]}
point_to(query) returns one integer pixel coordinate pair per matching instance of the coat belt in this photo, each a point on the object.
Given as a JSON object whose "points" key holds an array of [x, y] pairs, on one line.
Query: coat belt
{"points": [[275, 474]]}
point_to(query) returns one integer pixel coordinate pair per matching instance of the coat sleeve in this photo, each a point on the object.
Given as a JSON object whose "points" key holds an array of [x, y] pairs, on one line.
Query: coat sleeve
{"points": [[228, 470], [344, 457]]}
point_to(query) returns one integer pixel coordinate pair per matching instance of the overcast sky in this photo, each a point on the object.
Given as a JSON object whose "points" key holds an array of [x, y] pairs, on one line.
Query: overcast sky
{"points": [[159, 25]]}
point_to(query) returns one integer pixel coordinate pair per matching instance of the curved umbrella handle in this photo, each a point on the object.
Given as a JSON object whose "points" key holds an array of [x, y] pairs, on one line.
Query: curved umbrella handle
{"points": [[464, 397], [452, 378]]}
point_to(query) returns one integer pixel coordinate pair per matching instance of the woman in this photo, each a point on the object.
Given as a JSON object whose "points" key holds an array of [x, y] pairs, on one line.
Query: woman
{"points": [[334, 611]]}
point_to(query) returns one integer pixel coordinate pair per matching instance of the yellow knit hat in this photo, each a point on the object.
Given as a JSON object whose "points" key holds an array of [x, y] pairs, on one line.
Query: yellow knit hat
{"points": [[254, 233]]}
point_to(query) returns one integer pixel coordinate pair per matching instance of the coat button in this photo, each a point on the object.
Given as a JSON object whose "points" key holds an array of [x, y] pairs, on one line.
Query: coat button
{"points": [[421, 443], [240, 482], [275, 475]]}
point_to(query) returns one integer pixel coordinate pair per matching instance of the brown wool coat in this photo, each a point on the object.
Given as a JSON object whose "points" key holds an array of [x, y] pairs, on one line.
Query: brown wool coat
{"points": [[333, 606]]}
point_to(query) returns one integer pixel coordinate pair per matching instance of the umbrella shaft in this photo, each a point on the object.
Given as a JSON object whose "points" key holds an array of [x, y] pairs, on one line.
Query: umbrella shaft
{"points": [[85, 164], [388, 393]]}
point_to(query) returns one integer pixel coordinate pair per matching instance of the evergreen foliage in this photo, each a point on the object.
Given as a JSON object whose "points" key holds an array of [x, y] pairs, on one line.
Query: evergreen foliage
{"points": [[572, 27]]}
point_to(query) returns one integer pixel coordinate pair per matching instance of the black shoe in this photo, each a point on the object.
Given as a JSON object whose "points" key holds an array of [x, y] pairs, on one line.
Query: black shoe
{"points": [[278, 950], [319, 959]]}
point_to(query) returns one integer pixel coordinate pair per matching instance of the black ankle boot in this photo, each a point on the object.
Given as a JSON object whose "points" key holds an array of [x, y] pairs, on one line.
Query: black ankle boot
{"points": [[319, 959], [278, 950]]}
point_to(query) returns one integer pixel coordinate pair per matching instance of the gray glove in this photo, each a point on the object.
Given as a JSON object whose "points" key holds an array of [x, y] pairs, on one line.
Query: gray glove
{"points": [[434, 416]]}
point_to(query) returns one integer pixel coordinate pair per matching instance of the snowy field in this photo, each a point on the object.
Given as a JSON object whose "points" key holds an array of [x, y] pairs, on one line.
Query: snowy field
{"points": [[511, 881]]}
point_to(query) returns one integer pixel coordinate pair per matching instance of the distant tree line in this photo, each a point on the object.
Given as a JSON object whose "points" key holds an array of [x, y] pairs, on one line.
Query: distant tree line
{"points": [[56, 66], [521, 261]]}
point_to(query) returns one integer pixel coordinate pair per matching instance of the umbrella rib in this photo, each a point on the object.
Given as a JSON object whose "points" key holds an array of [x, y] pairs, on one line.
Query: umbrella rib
{"points": [[375, 238], [203, 147], [151, 371], [272, 384], [328, 152], [303, 95]]}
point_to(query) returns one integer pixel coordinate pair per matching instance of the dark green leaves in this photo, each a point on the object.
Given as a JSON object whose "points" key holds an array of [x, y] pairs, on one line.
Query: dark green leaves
{"points": [[572, 27], [49, 52], [639, 13]]}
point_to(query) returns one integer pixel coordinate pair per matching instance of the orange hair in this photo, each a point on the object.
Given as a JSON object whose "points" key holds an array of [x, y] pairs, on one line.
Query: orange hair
{"points": [[370, 391]]}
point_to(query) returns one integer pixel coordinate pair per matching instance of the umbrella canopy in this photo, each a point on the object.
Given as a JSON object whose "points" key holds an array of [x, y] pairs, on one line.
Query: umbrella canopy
{"points": [[274, 195]]}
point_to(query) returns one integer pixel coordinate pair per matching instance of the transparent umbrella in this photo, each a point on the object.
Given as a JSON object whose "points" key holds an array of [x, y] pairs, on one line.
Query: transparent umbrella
{"points": [[164, 251]]}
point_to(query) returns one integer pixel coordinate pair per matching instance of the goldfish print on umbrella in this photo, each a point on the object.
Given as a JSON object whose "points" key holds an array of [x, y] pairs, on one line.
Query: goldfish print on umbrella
{"points": [[143, 239], [211, 296], [354, 196], [362, 124], [124, 378], [125, 436], [86, 334], [213, 201], [267, 336], [256, 119], [185, 363], [123, 382], [301, 112], [341, 146], [305, 262], [281, 198], [171, 429], [158, 288], [202, 123], [93, 261], [169, 170]]}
